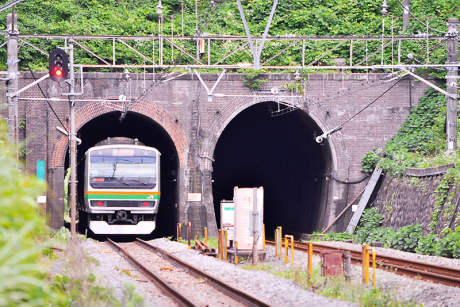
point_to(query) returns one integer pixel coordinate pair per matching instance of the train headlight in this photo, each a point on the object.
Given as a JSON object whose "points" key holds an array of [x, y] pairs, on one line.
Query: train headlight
{"points": [[98, 203], [146, 203]]}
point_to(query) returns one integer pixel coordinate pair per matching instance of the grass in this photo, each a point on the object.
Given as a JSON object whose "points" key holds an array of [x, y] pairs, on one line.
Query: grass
{"points": [[80, 283], [337, 287], [442, 158]]}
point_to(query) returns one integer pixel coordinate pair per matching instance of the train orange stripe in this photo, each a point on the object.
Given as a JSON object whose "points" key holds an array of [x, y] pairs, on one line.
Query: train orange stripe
{"points": [[121, 193]]}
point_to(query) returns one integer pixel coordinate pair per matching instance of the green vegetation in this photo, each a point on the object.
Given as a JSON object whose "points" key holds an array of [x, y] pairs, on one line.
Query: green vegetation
{"points": [[408, 238], [293, 17], [252, 79], [420, 142], [24, 242], [20, 227], [353, 291]]}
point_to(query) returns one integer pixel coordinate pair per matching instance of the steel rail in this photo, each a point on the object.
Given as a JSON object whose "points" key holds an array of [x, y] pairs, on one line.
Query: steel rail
{"points": [[164, 286], [439, 274], [234, 293]]}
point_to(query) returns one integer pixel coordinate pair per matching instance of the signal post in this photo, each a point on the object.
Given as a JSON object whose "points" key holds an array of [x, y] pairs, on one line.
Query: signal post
{"points": [[61, 66], [73, 147]]}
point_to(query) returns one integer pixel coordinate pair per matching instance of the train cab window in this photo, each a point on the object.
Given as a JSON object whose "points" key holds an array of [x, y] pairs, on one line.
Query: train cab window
{"points": [[127, 168]]}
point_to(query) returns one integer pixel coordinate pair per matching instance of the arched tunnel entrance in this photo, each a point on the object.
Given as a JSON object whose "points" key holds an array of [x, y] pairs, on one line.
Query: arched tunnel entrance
{"points": [[279, 153], [139, 126]]}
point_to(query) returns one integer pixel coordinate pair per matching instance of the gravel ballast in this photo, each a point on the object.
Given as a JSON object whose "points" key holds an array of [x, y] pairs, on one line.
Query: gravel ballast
{"points": [[276, 290]]}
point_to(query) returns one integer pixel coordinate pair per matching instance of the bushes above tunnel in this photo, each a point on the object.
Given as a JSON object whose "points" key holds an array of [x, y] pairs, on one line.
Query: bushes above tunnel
{"points": [[420, 142], [296, 17]]}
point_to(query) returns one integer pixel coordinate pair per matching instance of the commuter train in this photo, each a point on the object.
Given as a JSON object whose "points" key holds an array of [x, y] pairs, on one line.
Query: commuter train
{"points": [[122, 187]]}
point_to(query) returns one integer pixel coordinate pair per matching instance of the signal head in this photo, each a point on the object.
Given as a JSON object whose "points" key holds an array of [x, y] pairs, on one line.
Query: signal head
{"points": [[58, 65]]}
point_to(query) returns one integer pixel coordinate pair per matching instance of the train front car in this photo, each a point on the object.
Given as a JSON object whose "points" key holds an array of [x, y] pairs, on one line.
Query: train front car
{"points": [[122, 189]]}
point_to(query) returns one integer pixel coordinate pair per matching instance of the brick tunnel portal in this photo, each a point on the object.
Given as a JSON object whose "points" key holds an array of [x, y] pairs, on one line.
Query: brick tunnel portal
{"points": [[279, 153], [139, 126]]}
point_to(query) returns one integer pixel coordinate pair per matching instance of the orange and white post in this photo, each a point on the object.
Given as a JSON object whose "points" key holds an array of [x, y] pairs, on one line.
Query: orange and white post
{"points": [[276, 242], [220, 244], [225, 245], [310, 260], [263, 234]]}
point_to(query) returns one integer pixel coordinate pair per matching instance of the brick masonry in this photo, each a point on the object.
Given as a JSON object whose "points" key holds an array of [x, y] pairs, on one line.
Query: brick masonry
{"points": [[181, 108]]}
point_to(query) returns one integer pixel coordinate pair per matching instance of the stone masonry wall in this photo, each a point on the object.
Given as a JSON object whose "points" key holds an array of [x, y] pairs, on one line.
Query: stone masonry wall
{"points": [[410, 201], [181, 107]]}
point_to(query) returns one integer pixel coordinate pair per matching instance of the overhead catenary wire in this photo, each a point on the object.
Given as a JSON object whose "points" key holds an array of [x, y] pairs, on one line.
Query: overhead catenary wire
{"points": [[370, 103], [325, 135]]}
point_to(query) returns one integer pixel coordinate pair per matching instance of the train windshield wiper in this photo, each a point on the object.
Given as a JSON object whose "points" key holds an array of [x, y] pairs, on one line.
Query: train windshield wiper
{"points": [[119, 180], [138, 180]]}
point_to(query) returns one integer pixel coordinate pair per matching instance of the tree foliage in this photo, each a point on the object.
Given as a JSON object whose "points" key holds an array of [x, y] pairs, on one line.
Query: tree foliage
{"points": [[21, 279], [298, 17]]}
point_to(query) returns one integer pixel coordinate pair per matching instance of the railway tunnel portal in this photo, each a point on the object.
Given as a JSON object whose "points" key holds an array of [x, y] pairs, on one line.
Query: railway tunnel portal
{"points": [[279, 153]]}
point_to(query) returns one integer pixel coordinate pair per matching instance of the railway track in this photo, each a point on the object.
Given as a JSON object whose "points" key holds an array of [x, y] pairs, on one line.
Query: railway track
{"points": [[196, 289], [435, 273]]}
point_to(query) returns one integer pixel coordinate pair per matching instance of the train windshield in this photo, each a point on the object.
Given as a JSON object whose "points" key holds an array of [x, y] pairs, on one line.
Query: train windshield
{"points": [[125, 168]]}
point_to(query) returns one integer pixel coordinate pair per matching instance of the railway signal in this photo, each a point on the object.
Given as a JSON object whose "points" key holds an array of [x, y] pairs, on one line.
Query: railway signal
{"points": [[58, 65]]}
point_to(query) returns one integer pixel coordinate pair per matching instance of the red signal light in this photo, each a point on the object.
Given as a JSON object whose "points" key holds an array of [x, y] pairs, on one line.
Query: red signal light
{"points": [[99, 203], [145, 203], [58, 65]]}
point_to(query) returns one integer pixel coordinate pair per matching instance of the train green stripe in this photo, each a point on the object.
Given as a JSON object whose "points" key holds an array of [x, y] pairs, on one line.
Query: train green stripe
{"points": [[114, 196]]}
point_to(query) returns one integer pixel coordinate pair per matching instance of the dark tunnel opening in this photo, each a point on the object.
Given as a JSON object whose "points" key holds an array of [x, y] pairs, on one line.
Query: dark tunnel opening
{"points": [[280, 154], [139, 126]]}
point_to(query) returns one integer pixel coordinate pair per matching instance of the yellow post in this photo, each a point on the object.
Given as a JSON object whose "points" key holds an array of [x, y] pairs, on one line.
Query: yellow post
{"points": [[236, 252], [225, 244], [220, 243], [286, 250], [363, 261], [281, 241], [206, 235], [367, 264], [189, 234], [373, 266], [178, 231], [310, 259], [263, 234], [276, 242], [292, 250]]}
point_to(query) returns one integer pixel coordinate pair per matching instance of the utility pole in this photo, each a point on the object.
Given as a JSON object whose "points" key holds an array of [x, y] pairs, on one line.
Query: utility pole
{"points": [[73, 146], [452, 84], [12, 84], [406, 12]]}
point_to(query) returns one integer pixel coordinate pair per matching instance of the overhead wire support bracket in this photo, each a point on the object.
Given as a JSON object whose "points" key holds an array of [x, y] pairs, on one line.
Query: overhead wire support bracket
{"points": [[453, 96], [257, 51], [28, 86], [213, 87]]}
